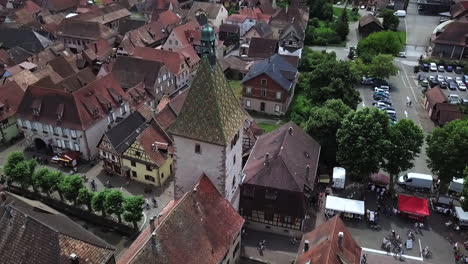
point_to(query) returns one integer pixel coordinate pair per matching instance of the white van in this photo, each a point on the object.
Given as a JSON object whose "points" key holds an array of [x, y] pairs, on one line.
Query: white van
{"points": [[400, 13], [456, 185], [416, 180]]}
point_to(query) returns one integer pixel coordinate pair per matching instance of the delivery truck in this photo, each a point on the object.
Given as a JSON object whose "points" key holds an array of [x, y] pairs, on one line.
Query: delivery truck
{"points": [[416, 180]]}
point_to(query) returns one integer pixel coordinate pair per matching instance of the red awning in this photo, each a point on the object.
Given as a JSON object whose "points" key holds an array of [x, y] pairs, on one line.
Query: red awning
{"points": [[413, 205]]}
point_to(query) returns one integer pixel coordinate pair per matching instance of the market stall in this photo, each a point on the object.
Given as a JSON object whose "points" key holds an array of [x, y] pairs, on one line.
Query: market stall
{"points": [[350, 208], [339, 177], [462, 216], [380, 179], [68, 159], [413, 207]]}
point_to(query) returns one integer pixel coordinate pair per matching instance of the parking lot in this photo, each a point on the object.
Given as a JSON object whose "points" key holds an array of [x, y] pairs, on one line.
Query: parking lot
{"points": [[463, 94]]}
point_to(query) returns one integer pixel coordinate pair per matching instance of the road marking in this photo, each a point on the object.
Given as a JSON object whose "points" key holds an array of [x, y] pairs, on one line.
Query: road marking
{"points": [[420, 249], [409, 82], [406, 114], [391, 254], [363, 104]]}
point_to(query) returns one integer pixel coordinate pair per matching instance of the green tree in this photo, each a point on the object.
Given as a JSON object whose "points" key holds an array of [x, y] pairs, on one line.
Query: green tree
{"points": [[447, 151], [384, 42], [52, 182], [70, 187], [114, 204], [13, 159], [362, 139], [323, 123], [39, 180], [315, 22], [85, 196], [133, 206], [390, 21], [342, 25], [404, 145], [98, 201], [380, 66], [23, 172]]}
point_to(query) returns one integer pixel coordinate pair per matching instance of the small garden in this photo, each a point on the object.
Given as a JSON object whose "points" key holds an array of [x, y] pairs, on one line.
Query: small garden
{"points": [[268, 127], [23, 174]]}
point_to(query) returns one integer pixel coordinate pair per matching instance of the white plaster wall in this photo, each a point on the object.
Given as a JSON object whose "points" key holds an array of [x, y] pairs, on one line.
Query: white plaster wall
{"points": [[189, 165], [233, 170]]}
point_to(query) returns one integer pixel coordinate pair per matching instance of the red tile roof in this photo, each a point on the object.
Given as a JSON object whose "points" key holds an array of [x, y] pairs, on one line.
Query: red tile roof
{"points": [[198, 228], [143, 36], [104, 14], [57, 5], [255, 13], [150, 138], [237, 18], [180, 33], [78, 105], [171, 59], [31, 7], [290, 151], [324, 247], [169, 18], [98, 50], [11, 95], [166, 116], [435, 96], [446, 112], [84, 29], [459, 9], [455, 33], [5, 58]]}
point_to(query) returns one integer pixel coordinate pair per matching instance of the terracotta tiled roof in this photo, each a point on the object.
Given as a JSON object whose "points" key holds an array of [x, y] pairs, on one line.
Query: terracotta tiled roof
{"points": [[367, 19], [78, 105], [229, 28], [31, 7], [57, 5], [11, 95], [169, 18], [262, 48], [459, 9], [172, 60], [143, 36], [130, 71], [5, 58], [263, 30], [35, 233], [48, 72], [180, 33], [455, 33], [178, 101], [211, 112], [146, 111], [202, 214], [84, 30], [155, 134], [61, 66], [255, 13], [237, 18], [435, 96], [24, 79], [324, 247], [211, 9], [290, 151], [73, 82], [287, 15], [446, 112], [104, 14], [166, 116]]}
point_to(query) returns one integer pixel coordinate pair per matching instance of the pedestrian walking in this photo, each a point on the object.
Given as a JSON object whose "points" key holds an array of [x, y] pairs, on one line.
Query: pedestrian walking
{"points": [[393, 233], [378, 208]]}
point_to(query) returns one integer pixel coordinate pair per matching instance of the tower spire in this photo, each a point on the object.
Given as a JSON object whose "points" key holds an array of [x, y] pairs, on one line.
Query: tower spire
{"points": [[208, 44]]}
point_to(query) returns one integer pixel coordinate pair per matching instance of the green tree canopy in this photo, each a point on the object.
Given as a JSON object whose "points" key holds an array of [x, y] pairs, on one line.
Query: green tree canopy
{"points": [[465, 189], [13, 159], [98, 201], [322, 125], [447, 151], [133, 206], [39, 180], [404, 144], [342, 25], [52, 181], [70, 187], [383, 42], [390, 21], [23, 172], [85, 196], [379, 66], [114, 203], [362, 139]]}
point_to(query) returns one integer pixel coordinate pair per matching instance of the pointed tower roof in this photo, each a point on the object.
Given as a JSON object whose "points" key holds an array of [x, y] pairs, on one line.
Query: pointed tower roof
{"points": [[211, 113]]}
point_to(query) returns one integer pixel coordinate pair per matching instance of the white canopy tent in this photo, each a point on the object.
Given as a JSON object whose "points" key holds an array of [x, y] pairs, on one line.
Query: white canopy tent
{"points": [[339, 177], [344, 205]]}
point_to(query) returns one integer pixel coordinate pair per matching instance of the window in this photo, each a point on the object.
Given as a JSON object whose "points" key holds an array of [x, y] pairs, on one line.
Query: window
{"points": [[28, 124], [233, 182], [247, 103], [44, 128], [176, 42], [149, 168], [164, 77], [248, 191], [133, 163], [264, 82], [122, 110], [263, 92], [110, 118], [103, 154], [287, 219], [66, 132], [170, 42], [278, 95], [73, 133], [277, 108], [138, 153], [134, 174], [59, 143], [248, 90], [66, 144], [197, 148], [234, 160], [34, 126], [162, 175], [20, 123], [149, 178], [271, 195]]}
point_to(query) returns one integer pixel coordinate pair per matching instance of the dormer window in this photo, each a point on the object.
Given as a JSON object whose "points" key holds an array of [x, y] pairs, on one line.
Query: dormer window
{"points": [[36, 106], [59, 112], [119, 98]]}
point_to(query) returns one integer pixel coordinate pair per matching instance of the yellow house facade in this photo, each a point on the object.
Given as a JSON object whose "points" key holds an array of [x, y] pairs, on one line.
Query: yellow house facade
{"points": [[150, 158]]}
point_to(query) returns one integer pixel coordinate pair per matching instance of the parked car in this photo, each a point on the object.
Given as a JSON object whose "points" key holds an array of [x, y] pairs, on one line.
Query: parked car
{"points": [[383, 102], [393, 119], [367, 80], [458, 70], [448, 79], [386, 107], [433, 66], [443, 84], [421, 76], [465, 79], [425, 67], [402, 54], [454, 99], [433, 83], [464, 101], [461, 86], [416, 180], [381, 90], [431, 78], [381, 95], [449, 68], [385, 88], [441, 68], [452, 85], [424, 83], [400, 13], [440, 78], [458, 79]]}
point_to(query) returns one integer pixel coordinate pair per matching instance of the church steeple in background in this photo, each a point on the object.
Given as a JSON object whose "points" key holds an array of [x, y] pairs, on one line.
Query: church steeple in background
{"points": [[208, 48]]}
